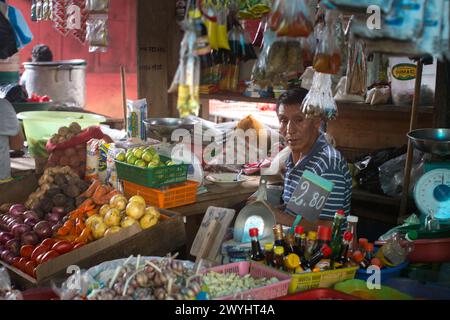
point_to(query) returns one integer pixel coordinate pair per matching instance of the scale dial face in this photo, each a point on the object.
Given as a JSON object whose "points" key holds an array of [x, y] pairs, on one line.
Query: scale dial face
{"points": [[432, 193]]}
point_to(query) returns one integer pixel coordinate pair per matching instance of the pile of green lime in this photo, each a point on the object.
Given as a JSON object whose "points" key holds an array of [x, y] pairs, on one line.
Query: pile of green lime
{"points": [[143, 157]]}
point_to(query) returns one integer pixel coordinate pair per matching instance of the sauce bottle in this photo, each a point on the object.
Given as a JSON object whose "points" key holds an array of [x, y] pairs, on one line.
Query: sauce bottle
{"points": [[345, 248], [323, 236], [324, 252], [352, 222], [336, 236], [289, 244], [300, 240], [278, 258], [311, 244], [268, 252], [362, 243], [358, 257], [257, 254], [278, 235]]}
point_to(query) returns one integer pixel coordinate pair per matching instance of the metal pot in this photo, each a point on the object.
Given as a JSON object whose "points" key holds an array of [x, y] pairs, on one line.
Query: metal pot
{"points": [[64, 81]]}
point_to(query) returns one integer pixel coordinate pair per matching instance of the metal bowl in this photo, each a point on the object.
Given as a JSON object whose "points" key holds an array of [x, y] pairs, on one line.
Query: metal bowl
{"points": [[435, 141], [160, 128]]}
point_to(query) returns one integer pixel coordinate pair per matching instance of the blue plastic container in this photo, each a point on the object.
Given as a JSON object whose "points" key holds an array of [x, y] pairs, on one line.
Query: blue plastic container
{"points": [[418, 289], [386, 273]]}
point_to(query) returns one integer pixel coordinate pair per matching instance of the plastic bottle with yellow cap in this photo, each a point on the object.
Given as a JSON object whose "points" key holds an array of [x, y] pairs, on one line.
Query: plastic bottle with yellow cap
{"points": [[311, 243], [292, 263]]}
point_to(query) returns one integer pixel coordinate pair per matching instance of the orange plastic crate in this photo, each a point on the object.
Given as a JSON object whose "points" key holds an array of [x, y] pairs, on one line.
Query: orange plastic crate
{"points": [[168, 197]]}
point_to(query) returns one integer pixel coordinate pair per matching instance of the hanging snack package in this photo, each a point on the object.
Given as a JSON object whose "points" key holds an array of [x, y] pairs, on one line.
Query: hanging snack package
{"points": [[259, 73], [97, 33], [430, 42], [60, 17], [356, 83], [328, 57], [97, 6], [319, 101], [292, 18], [136, 114], [33, 10], [79, 32]]}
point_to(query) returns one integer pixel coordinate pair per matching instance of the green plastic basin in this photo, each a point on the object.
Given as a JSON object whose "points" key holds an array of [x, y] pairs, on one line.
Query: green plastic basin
{"points": [[39, 126]]}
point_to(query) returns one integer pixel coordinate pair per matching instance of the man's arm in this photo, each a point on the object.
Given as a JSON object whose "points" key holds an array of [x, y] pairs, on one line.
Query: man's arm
{"points": [[16, 142]]}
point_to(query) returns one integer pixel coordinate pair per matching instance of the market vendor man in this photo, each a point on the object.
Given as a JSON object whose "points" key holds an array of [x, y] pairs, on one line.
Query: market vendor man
{"points": [[310, 151]]}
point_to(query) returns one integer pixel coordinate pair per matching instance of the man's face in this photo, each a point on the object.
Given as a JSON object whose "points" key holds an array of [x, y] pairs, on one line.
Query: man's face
{"points": [[299, 133]]}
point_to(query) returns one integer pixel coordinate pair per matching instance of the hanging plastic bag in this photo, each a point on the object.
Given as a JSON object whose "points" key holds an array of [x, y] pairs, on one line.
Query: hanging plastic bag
{"points": [[328, 58], [22, 31], [8, 45], [292, 18], [356, 83], [59, 16], [430, 42], [259, 72], [97, 33], [97, 6], [188, 102], [79, 32], [319, 101]]}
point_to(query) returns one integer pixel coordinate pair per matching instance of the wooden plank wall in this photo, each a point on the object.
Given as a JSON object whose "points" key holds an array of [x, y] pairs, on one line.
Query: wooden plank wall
{"points": [[159, 37], [373, 129]]}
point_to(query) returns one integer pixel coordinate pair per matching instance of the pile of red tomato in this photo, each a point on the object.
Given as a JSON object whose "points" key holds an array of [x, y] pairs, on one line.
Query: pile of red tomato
{"points": [[32, 256], [36, 98]]}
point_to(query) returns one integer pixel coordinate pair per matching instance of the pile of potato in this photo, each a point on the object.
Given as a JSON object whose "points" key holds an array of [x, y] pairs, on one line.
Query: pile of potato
{"points": [[74, 157], [66, 133]]}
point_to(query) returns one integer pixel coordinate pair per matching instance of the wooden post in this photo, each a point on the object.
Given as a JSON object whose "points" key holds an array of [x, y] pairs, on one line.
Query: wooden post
{"points": [[410, 153], [154, 22]]}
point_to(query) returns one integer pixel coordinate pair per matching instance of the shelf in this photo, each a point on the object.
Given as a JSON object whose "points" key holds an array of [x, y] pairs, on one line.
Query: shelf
{"points": [[353, 106]]}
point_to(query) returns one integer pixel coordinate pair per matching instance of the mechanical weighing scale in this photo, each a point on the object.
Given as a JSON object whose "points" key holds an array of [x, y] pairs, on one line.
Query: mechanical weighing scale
{"points": [[432, 190]]}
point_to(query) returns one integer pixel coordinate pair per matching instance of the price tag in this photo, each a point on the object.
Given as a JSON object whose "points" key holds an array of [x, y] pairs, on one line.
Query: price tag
{"points": [[310, 196]]}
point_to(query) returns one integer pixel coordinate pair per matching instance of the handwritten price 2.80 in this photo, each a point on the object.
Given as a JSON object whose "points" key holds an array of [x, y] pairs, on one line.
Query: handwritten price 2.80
{"points": [[316, 202]]}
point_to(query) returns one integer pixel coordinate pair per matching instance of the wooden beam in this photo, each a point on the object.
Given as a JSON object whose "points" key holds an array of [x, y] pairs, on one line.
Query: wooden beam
{"points": [[153, 19]]}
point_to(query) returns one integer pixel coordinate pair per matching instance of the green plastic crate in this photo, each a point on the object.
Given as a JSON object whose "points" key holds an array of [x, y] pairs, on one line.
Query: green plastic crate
{"points": [[152, 177]]}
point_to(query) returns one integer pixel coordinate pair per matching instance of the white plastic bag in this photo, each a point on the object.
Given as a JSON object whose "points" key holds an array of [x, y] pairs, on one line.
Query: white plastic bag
{"points": [[319, 101]]}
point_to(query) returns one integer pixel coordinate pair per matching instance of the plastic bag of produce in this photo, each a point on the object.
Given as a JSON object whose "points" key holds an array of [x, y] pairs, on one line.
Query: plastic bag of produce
{"points": [[68, 147], [319, 101], [6, 291], [328, 58], [292, 18]]}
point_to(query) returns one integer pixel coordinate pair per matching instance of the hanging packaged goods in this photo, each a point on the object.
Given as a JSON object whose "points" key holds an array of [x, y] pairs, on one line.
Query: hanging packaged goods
{"points": [[319, 102], [328, 54], [292, 18]]}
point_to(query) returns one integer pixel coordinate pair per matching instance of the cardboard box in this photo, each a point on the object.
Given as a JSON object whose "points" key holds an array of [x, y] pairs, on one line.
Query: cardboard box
{"points": [[166, 236]]}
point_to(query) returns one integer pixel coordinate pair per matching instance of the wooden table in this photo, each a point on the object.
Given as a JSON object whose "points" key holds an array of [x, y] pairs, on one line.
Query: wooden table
{"points": [[193, 214]]}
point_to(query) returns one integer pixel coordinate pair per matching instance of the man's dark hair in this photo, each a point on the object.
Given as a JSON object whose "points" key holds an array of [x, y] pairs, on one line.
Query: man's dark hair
{"points": [[292, 96], [41, 53]]}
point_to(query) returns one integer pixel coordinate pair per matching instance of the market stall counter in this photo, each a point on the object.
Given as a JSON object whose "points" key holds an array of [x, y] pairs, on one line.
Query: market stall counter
{"points": [[234, 198]]}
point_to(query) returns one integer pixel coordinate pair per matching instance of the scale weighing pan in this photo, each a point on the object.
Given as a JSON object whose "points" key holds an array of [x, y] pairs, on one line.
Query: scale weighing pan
{"points": [[160, 128], [434, 141], [257, 214]]}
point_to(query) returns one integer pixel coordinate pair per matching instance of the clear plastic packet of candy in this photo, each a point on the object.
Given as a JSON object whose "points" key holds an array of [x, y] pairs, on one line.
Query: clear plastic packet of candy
{"points": [[430, 42], [356, 83], [97, 6], [327, 58], [319, 101], [97, 35], [292, 18]]}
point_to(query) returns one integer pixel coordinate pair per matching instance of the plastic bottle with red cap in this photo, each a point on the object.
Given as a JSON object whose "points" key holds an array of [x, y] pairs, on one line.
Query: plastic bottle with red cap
{"points": [[257, 253], [323, 236], [336, 236], [300, 240], [358, 257], [324, 252], [347, 240]]}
